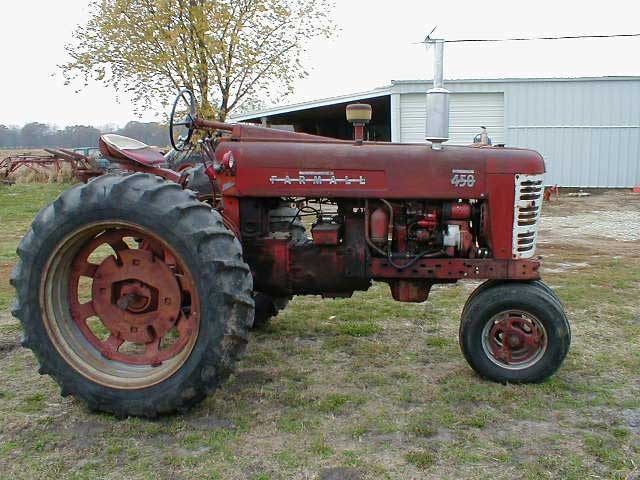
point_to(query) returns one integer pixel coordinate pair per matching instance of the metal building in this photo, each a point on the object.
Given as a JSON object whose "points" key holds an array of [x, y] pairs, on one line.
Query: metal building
{"points": [[588, 129]]}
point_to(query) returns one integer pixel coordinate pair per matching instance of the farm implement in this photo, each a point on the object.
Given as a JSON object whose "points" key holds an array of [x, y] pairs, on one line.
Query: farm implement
{"points": [[82, 165], [137, 297]]}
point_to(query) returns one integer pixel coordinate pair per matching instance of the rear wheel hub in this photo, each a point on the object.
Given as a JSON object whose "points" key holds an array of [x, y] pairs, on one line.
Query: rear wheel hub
{"points": [[136, 297]]}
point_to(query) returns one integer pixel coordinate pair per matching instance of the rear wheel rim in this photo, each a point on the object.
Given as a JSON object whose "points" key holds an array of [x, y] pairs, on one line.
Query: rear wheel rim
{"points": [[120, 305], [514, 339]]}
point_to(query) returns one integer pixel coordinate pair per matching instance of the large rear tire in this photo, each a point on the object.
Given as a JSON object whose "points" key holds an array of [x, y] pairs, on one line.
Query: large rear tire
{"points": [[133, 295], [514, 332]]}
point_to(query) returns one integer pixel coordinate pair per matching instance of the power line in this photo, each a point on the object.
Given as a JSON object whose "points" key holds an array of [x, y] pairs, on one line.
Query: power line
{"points": [[526, 39]]}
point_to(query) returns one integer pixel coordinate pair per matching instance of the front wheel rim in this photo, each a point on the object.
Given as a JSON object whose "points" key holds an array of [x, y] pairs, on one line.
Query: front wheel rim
{"points": [[142, 317], [514, 339]]}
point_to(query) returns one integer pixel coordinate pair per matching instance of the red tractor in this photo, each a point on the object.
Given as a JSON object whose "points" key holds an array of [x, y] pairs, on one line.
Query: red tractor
{"points": [[136, 297]]}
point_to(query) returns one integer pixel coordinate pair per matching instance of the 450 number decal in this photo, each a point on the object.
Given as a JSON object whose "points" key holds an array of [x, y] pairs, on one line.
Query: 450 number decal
{"points": [[463, 178]]}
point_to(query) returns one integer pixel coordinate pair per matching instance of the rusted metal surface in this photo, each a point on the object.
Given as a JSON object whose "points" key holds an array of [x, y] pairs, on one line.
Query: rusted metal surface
{"points": [[338, 169], [552, 190], [459, 268], [136, 294], [459, 182], [54, 160], [409, 290], [326, 234], [514, 339], [371, 170]]}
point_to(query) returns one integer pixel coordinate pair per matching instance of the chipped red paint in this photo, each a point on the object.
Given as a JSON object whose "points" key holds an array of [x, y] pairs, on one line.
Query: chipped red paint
{"points": [[137, 297], [515, 339], [456, 268]]}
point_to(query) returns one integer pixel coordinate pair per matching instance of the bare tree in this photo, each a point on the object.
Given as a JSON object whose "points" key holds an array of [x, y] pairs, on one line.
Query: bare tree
{"points": [[229, 52]]}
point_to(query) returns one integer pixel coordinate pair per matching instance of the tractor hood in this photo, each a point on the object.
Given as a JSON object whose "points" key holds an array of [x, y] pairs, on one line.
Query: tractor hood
{"points": [[276, 163]]}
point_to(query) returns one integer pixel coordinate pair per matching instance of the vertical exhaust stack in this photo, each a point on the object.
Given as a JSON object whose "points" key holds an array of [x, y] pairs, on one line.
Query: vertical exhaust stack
{"points": [[437, 100]]}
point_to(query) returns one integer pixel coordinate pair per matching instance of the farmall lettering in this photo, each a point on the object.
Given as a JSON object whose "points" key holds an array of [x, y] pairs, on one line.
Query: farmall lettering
{"points": [[318, 178]]}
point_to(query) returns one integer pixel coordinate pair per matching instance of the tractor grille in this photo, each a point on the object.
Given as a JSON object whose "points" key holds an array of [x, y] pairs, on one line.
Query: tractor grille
{"points": [[526, 214]]}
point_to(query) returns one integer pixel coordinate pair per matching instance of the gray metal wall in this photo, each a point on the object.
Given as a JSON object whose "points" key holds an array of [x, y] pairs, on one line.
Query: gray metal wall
{"points": [[588, 131]]}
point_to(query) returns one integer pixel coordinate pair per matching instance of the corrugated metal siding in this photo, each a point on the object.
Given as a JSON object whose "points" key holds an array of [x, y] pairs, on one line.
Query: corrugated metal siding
{"points": [[585, 157], [468, 112], [413, 113], [588, 130]]}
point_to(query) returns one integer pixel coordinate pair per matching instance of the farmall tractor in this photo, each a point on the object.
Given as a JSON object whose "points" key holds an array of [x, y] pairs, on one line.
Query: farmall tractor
{"points": [[137, 298]]}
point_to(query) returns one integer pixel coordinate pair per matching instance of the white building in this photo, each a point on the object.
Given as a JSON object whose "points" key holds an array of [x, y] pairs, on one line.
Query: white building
{"points": [[588, 129]]}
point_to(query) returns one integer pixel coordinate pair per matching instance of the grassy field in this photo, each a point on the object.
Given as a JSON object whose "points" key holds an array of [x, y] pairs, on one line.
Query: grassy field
{"points": [[4, 152], [363, 387]]}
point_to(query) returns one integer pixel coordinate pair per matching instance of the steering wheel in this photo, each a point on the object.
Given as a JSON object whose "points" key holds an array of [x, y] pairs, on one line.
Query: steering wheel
{"points": [[188, 121]]}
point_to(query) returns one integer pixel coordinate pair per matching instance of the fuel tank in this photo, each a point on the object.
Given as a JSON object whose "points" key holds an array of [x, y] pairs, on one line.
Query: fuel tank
{"points": [[334, 169]]}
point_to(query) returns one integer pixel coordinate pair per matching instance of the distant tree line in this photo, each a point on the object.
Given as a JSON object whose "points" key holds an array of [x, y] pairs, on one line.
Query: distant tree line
{"points": [[40, 135]]}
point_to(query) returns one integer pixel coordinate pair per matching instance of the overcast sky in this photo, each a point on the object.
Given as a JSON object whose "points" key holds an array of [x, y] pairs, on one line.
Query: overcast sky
{"points": [[373, 45]]}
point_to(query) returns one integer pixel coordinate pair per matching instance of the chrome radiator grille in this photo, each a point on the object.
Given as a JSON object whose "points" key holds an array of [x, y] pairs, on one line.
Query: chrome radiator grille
{"points": [[526, 214]]}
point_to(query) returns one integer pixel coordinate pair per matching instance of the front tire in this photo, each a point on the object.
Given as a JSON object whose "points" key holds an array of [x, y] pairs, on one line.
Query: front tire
{"points": [[163, 314], [494, 282], [514, 332]]}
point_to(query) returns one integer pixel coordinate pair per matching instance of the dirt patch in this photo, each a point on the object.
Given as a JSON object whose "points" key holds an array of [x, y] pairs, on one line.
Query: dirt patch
{"points": [[9, 342], [565, 266], [340, 473], [632, 418], [622, 225], [209, 422], [6, 318], [82, 433], [9, 334], [181, 452], [598, 220], [253, 377]]}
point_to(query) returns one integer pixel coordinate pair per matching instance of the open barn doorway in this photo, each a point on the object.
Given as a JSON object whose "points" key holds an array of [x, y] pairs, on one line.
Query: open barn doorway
{"points": [[330, 120]]}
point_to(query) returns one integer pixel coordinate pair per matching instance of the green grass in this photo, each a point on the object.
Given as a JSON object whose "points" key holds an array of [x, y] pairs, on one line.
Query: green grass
{"points": [[358, 329], [336, 403], [19, 204], [364, 383], [423, 426], [421, 459]]}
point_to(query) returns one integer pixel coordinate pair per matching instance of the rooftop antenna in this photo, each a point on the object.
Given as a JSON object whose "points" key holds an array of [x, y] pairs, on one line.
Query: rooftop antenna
{"points": [[427, 39], [437, 97]]}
